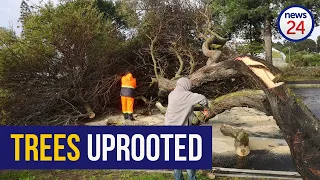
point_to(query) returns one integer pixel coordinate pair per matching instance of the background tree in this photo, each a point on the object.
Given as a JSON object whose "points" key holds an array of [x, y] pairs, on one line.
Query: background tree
{"points": [[318, 44], [279, 46], [170, 27], [62, 67], [119, 12], [25, 10], [307, 45], [253, 20], [66, 65], [248, 19]]}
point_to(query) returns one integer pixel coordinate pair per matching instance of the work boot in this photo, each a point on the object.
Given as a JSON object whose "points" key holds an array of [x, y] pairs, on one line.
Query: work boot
{"points": [[125, 115], [130, 117]]}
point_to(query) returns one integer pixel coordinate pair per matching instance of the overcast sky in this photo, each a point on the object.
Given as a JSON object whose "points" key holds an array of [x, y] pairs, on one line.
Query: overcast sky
{"points": [[10, 12]]}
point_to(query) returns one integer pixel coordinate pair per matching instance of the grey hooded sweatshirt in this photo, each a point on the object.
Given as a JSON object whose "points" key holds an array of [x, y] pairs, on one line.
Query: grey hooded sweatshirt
{"points": [[180, 104]]}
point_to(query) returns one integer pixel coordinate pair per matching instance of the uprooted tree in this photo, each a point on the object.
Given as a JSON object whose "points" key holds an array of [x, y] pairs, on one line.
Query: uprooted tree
{"points": [[214, 78], [299, 126], [61, 77], [65, 68], [301, 129], [175, 32]]}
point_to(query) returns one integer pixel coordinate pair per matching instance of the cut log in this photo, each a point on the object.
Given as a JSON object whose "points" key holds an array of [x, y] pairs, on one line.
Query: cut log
{"points": [[300, 127], [241, 139]]}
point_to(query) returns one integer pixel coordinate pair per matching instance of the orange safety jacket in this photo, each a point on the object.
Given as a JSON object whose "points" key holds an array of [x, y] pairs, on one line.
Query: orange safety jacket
{"points": [[128, 84]]}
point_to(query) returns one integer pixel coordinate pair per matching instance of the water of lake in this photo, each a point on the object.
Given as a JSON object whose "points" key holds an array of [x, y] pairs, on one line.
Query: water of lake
{"points": [[311, 97]]}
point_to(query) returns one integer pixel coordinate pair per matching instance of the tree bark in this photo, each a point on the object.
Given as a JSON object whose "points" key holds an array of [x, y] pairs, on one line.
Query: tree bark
{"points": [[300, 127], [214, 69], [268, 39], [210, 46], [246, 98], [255, 99], [213, 72]]}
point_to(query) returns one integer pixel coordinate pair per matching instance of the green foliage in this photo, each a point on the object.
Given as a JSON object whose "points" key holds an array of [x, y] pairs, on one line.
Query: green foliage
{"points": [[301, 53], [312, 59], [308, 45], [298, 60], [242, 17], [20, 175], [7, 36], [120, 12], [318, 44], [55, 67], [246, 18], [303, 59], [252, 48], [312, 5], [94, 175], [279, 46], [301, 73], [71, 55], [172, 31], [276, 54], [25, 10]]}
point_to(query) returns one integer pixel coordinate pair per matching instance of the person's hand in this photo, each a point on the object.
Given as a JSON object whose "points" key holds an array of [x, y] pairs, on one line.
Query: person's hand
{"points": [[206, 113]]}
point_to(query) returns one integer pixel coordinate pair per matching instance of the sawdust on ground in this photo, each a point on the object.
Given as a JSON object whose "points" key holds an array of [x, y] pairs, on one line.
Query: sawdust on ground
{"points": [[263, 130]]}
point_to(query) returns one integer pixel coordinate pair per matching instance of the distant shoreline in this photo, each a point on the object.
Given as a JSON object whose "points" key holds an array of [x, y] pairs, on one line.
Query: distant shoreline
{"points": [[303, 84], [307, 82]]}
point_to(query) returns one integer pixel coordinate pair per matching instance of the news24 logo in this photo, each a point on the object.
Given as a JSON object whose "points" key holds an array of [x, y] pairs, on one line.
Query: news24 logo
{"points": [[295, 23]]}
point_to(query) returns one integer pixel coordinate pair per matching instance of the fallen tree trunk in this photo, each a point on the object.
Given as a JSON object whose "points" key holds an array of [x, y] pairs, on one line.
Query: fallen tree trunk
{"points": [[300, 127], [255, 99], [241, 139], [213, 72], [246, 98]]}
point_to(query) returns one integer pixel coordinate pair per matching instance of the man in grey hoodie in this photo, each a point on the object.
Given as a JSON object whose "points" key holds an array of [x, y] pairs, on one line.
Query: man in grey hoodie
{"points": [[180, 112]]}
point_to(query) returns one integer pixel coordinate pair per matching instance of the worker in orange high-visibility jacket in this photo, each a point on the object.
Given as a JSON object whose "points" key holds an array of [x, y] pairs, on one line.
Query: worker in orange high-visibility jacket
{"points": [[128, 85]]}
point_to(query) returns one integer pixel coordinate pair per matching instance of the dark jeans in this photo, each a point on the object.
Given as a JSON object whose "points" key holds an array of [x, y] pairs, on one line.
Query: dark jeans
{"points": [[179, 176]]}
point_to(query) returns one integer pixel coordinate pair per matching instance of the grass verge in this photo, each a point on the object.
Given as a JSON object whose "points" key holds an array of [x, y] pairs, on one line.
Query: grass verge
{"points": [[301, 74], [92, 175]]}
